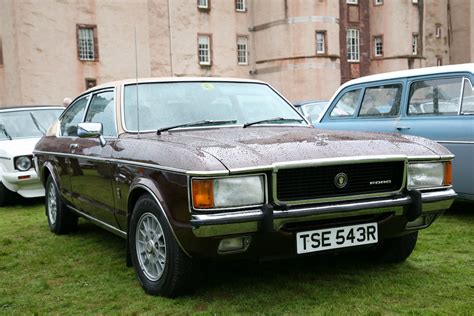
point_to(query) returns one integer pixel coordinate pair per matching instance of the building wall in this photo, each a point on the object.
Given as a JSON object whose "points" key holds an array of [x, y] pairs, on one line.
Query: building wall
{"points": [[461, 31], [40, 47], [435, 14], [285, 47], [41, 65], [396, 21], [355, 16]]}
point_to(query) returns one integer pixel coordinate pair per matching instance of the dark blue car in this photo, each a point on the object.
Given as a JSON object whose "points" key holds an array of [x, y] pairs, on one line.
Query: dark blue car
{"points": [[436, 103]]}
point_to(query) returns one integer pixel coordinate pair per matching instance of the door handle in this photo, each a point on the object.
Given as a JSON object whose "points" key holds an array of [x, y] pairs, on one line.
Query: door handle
{"points": [[402, 128], [73, 146]]}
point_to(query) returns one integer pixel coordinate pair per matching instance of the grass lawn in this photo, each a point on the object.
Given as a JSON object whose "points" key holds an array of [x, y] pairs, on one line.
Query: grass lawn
{"points": [[85, 272]]}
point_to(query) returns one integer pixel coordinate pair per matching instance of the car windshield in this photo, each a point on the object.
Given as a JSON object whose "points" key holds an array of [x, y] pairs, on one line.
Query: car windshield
{"points": [[171, 104], [313, 110], [26, 123]]}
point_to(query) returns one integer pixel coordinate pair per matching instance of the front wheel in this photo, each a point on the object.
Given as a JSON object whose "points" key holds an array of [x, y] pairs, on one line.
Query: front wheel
{"points": [[161, 266], [396, 249], [60, 219], [5, 195]]}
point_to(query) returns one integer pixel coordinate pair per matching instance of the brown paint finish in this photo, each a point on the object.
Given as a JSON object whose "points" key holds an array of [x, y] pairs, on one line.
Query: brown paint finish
{"points": [[104, 182]]}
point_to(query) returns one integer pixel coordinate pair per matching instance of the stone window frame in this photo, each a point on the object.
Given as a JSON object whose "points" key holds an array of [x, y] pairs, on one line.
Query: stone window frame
{"points": [[246, 62], [209, 49], [350, 58], [415, 43], [325, 42], [374, 39], [240, 5], [94, 38], [203, 7]]}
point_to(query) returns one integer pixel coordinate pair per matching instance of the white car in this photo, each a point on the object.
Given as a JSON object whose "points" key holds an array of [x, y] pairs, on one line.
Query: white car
{"points": [[20, 130]]}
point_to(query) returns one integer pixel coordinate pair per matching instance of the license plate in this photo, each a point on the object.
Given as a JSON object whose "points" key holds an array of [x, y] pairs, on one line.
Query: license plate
{"points": [[333, 238]]}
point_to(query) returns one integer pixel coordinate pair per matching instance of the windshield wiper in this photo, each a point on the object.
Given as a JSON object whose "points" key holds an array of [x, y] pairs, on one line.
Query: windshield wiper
{"points": [[4, 131], [275, 119], [197, 123], [37, 124]]}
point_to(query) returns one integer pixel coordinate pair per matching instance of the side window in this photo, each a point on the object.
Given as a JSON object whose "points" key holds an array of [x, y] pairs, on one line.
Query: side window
{"points": [[73, 116], [381, 101], [467, 98], [346, 105], [101, 110], [435, 97]]}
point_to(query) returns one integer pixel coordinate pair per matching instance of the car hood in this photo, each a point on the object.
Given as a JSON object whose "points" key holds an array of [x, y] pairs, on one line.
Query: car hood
{"points": [[17, 147], [238, 148]]}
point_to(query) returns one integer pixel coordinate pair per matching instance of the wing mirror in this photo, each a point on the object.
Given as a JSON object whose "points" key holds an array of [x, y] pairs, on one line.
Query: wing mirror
{"points": [[91, 130]]}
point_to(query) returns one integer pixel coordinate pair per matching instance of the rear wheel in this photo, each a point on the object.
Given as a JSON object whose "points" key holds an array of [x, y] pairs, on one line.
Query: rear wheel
{"points": [[61, 220], [397, 249], [161, 266]]}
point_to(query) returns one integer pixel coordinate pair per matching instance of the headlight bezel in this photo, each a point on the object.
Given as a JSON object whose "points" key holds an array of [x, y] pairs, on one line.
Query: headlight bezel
{"points": [[215, 208], [21, 158], [444, 174]]}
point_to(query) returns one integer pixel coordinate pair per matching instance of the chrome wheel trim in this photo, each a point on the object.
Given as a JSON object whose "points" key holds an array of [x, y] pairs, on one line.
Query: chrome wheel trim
{"points": [[52, 204], [150, 246]]}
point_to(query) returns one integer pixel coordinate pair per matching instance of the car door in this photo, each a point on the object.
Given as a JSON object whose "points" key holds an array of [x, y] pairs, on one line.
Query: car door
{"points": [[376, 108], [91, 180], [436, 110], [68, 134]]}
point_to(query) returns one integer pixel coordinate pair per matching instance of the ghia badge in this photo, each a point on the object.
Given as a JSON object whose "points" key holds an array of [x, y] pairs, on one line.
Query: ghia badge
{"points": [[340, 180]]}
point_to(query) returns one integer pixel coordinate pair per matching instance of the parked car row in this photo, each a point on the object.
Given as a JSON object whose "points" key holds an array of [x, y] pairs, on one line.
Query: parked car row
{"points": [[187, 169]]}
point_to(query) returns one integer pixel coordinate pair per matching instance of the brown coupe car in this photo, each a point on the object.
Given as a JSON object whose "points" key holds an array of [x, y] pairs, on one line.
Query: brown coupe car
{"points": [[193, 168]]}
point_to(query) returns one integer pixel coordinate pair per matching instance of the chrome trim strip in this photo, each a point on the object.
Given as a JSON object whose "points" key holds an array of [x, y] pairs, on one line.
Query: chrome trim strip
{"points": [[6, 158], [454, 141], [439, 157], [164, 214], [106, 226], [208, 225], [129, 162], [32, 108]]}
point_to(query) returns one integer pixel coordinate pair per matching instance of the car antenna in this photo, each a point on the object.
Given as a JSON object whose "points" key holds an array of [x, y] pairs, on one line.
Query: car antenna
{"points": [[136, 79]]}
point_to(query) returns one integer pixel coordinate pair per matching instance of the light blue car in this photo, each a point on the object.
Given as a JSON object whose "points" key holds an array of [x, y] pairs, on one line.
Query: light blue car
{"points": [[436, 103]]}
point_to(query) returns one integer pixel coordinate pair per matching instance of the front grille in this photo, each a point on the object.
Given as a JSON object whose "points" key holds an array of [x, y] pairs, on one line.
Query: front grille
{"points": [[311, 183]]}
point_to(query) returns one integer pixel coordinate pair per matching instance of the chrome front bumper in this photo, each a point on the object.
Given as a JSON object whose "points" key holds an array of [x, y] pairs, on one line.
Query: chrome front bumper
{"points": [[249, 221]]}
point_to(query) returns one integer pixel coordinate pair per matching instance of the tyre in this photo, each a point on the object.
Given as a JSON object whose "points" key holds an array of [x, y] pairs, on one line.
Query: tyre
{"points": [[61, 220], [5, 195], [396, 249], [162, 268]]}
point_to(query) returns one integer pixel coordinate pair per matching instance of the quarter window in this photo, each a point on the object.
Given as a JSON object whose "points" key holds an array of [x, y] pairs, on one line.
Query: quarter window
{"points": [[242, 50], [101, 110], [204, 49], [435, 97], [347, 104], [87, 43], [381, 101], [352, 45], [467, 98], [73, 116]]}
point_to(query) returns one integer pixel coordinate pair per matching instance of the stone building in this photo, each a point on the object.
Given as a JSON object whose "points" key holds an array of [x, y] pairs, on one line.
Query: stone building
{"points": [[51, 49]]}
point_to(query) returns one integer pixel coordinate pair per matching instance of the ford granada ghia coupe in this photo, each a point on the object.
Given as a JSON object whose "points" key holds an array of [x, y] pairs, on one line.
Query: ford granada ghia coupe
{"points": [[197, 168]]}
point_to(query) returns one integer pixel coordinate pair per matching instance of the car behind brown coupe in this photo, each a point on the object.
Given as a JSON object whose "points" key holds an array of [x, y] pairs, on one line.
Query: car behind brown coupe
{"points": [[207, 167]]}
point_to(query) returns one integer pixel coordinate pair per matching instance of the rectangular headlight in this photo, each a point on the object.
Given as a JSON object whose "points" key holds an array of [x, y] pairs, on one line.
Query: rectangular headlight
{"points": [[425, 175], [228, 192]]}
